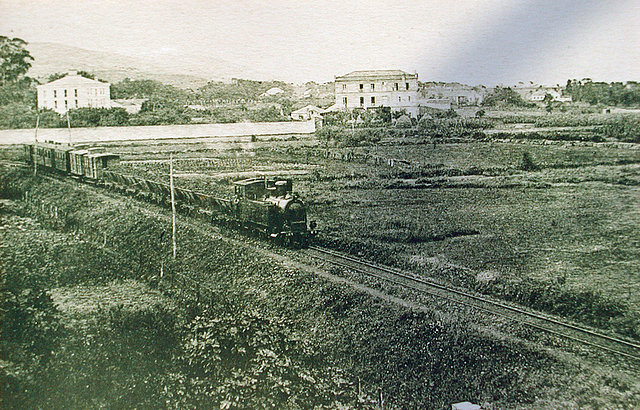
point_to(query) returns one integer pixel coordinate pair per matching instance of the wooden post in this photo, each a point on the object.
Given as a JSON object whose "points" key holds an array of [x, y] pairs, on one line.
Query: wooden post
{"points": [[35, 146], [173, 205], [69, 127]]}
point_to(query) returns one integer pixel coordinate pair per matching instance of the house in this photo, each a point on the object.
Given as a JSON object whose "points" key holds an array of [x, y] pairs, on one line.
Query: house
{"points": [[73, 91], [455, 93], [132, 105], [306, 113], [378, 88], [536, 93]]}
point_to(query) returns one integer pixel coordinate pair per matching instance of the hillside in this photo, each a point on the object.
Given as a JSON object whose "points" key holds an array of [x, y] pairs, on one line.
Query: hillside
{"points": [[185, 71]]}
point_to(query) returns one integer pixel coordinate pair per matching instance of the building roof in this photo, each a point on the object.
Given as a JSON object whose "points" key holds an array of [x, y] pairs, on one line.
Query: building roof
{"points": [[73, 79], [334, 107], [368, 74], [273, 91], [306, 109]]}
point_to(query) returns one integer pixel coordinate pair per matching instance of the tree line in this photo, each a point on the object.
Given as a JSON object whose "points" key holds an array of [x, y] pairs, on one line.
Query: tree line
{"points": [[601, 93]]}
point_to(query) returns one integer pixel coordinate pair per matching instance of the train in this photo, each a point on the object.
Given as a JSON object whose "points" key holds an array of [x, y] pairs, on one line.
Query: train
{"points": [[265, 206]]}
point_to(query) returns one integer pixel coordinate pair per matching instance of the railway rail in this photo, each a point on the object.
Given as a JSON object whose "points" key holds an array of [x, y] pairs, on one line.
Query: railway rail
{"points": [[536, 320], [532, 319]]}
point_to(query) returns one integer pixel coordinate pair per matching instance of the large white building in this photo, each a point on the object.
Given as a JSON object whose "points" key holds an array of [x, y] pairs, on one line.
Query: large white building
{"points": [[73, 91], [378, 88]]}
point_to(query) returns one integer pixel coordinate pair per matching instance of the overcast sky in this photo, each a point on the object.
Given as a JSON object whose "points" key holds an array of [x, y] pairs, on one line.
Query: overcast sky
{"points": [[475, 42]]}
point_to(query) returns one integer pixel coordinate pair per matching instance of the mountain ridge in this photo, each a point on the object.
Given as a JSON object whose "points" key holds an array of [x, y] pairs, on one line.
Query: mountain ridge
{"points": [[184, 71]]}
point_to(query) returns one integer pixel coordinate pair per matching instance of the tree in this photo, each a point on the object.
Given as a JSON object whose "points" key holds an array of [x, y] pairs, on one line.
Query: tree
{"points": [[501, 96], [15, 60], [548, 100]]}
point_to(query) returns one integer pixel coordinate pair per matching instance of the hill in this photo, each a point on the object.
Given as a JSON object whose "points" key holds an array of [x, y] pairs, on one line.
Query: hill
{"points": [[184, 71]]}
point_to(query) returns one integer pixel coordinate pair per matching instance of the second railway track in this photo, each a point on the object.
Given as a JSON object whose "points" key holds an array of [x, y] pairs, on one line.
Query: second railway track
{"points": [[546, 323]]}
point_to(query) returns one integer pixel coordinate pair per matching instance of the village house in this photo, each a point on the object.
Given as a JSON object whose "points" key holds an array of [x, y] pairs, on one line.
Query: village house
{"points": [[306, 113], [456, 94], [536, 93], [73, 91], [377, 88]]}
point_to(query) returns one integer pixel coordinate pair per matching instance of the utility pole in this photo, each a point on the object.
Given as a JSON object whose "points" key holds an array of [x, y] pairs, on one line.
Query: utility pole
{"points": [[173, 205], [69, 127], [35, 146]]}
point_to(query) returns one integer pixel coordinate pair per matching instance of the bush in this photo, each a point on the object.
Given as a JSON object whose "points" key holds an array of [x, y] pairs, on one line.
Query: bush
{"points": [[454, 127], [624, 128], [505, 97], [98, 117], [351, 137], [527, 163]]}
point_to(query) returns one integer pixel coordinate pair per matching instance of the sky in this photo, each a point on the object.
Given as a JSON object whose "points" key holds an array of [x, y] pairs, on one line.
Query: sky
{"points": [[486, 42]]}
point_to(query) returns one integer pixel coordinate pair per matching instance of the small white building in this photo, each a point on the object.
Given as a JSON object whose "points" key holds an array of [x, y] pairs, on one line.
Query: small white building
{"points": [[132, 105], [73, 91], [306, 113], [378, 88], [537, 93], [272, 91]]}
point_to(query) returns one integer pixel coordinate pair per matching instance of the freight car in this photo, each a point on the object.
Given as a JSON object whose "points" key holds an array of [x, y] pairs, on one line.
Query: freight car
{"points": [[62, 158], [262, 205]]}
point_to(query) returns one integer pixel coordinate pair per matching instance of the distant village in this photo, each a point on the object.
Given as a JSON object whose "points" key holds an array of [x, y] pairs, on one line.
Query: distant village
{"points": [[369, 89]]}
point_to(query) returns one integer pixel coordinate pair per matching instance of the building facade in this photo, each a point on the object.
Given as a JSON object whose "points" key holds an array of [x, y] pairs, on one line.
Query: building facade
{"points": [[378, 88], [457, 94], [73, 91]]}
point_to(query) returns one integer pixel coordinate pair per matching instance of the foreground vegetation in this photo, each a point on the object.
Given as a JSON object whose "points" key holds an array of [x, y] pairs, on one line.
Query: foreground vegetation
{"points": [[104, 328]]}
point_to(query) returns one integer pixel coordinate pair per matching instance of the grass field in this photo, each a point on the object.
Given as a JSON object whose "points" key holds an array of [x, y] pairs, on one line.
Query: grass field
{"points": [[568, 229], [263, 335]]}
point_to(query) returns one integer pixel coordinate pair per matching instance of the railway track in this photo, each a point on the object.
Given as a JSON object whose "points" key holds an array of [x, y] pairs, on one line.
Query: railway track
{"points": [[536, 320], [532, 319]]}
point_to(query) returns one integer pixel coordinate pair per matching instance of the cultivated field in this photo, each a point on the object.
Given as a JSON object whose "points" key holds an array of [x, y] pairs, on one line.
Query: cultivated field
{"points": [[556, 231]]}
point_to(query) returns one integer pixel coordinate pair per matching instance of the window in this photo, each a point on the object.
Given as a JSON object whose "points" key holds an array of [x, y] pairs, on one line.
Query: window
{"points": [[395, 87], [361, 101], [55, 93], [406, 85], [65, 93], [66, 104], [361, 87], [76, 103], [399, 99], [75, 92], [56, 104], [409, 98], [373, 100], [373, 87], [344, 87], [344, 101]]}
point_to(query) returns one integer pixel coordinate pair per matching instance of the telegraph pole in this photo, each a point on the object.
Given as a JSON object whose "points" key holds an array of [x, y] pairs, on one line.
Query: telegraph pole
{"points": [[69, 127], [35, 145], [173, 205]]}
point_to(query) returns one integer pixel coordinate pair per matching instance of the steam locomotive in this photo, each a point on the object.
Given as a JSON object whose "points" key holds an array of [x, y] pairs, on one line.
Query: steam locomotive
{"points": [[266, 206]]}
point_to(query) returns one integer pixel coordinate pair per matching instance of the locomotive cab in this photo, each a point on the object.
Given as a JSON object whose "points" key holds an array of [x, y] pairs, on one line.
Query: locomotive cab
{"points": [[271, 206]]}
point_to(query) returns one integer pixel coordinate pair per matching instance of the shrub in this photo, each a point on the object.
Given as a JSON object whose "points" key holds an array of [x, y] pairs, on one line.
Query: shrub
{"points": [[527, 163], [624, 128]]}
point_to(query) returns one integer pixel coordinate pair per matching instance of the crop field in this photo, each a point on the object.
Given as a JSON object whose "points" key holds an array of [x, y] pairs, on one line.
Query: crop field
{"points": [[559, 234], [103, 329]]}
